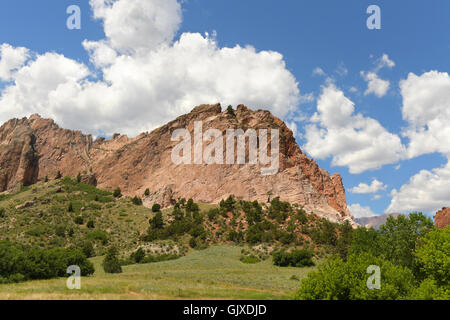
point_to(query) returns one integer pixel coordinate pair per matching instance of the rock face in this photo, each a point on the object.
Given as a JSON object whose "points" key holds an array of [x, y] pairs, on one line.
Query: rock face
{"points": [[442, 218], [33, 148]]}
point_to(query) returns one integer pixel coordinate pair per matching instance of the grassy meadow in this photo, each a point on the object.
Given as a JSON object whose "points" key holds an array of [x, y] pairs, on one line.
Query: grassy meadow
{"points": [[213, 273]]}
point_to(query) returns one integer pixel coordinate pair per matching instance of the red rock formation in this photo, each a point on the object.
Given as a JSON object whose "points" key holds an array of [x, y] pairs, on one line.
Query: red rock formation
{"points": [[442, 218], [33, 148]]}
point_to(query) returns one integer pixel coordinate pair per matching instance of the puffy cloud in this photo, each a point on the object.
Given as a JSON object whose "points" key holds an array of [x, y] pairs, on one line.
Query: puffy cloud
{"points": [[133, 25], [359, 211], [359, 142], [147, 76], [426, 191], [375, 85], [364, 188], [11, 59], [426, 107], [318, 72]]}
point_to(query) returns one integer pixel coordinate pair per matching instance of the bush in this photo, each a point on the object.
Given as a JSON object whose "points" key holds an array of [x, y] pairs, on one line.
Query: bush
{"points": [[70, 207], [230, 111], [339, 280], [137, 201], [78, 220], [138, 256], [79, 178], [147, 192], [88, 249], [2, 212], [111, 263], [117, 193], [98, 235], [20, 263], [157, 222], [251, 259], [90, 224], [156, 207], [297, 258]]}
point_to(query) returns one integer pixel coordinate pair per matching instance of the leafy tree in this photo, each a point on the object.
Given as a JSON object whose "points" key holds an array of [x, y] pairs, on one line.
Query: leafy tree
{"points": [[111, 263], [156, 207], [339, 280], [433, 255], [296, 258], [401, 235]]}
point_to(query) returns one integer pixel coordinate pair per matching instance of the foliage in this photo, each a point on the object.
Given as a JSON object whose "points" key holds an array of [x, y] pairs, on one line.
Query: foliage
{"points": [[156, 207], [137, 201], [111, 263], [19, 263], [296, 258], [117, 193]]}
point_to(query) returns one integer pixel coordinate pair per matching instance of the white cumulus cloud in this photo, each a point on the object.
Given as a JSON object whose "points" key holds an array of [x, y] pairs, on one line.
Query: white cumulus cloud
{"points": [[426, 191], [364, 188], [376, 85], [145, 76], [11, 59], [358, 142], [359, 211]]}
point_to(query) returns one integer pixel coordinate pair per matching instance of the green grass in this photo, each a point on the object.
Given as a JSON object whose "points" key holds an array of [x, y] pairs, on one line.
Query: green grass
{"points": [[214, 273]]}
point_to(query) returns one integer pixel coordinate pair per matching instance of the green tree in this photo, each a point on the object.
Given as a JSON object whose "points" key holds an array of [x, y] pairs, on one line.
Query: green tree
{"points": [[137, 201], [90, 224], [156, 207], [111, 262], [157, 222], [230, 111], [433, 256], [79, 178], [147, 192]]}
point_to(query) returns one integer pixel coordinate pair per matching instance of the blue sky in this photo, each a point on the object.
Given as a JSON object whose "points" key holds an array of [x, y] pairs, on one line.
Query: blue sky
{"points": [[330, 35]]}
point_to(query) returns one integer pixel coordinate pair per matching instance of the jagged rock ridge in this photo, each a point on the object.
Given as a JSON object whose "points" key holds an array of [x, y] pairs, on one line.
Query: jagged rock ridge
{"points": [[33, 148]]}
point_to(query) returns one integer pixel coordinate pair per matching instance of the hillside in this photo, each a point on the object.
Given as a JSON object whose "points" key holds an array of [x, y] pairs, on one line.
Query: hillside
{"points": [[34, 148]]}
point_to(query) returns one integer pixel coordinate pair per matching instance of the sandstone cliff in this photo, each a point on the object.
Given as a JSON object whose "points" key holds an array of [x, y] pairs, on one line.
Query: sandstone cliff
{"points": [[442, 218], [33, 148]]}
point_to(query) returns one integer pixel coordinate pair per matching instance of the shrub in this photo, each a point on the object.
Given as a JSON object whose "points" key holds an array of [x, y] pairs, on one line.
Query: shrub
{"points": [[90, 224], [111, 263], [339, 280], [88, 249], [117, 193], [79, 178], [2, 212], [70, 207], [297, 258], [98, 235], [58, 175], [251, 259], [138, 256], [156, 207], [137, 201], [230, 111], [147, 192], [78, 220]]}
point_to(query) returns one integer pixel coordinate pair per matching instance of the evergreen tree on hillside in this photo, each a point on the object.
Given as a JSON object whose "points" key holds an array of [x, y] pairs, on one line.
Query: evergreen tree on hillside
{"points": [[111, 262]]}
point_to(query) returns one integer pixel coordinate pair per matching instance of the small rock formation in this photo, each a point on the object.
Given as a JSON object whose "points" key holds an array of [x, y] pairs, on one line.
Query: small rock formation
{"points": [[442, 218], [33, 148]]}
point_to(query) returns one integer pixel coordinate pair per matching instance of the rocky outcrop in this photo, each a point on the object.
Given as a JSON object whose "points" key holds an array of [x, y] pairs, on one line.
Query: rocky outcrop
{"points": [[442, 218], [33, 148]]}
